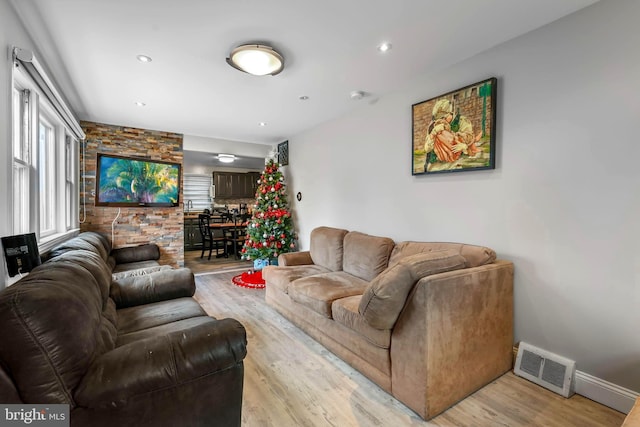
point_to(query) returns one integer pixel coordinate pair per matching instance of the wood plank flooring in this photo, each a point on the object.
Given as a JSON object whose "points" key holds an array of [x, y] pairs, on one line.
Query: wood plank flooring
{"points": [[291, 380], [199, 265]]}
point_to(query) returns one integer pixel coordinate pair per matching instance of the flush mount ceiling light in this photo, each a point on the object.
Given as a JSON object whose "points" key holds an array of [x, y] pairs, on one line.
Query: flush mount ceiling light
{"points": [[144, 58], [256, 59], [226, 158]]}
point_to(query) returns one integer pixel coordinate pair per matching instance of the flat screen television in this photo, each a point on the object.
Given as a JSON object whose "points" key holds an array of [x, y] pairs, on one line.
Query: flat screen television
{"points": [[130, 182]]}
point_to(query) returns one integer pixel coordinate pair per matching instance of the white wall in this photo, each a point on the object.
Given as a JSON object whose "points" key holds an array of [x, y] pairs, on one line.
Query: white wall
{"points": [[562, 204]]}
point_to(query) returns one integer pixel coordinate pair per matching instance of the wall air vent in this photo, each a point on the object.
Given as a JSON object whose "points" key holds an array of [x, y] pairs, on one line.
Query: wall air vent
{"points": [[549, 370]]}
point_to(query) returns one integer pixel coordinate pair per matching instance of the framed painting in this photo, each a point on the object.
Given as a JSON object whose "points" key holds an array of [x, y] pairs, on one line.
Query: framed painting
{"points": [[283, 153], [455, 132]]}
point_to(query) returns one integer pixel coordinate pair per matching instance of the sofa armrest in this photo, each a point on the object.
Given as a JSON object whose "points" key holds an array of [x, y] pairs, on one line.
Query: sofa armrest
{"points": [[162, 363], [454, 335], [153, 287], [146, 252], [295, 258]]}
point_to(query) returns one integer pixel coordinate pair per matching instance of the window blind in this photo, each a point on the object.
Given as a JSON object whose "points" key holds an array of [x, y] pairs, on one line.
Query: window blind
{"points": [[196, 189], [28, 61]]}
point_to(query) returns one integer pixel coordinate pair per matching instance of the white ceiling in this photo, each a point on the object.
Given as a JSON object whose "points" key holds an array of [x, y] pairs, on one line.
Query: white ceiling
{"points": [[329, 48]]}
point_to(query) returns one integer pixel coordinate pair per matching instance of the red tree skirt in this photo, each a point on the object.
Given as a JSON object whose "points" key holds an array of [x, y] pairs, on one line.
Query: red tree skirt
{"points": [[249, 280]]}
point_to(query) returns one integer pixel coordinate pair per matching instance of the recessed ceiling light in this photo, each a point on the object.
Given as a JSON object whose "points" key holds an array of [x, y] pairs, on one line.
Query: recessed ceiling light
{"points": [[226, 158], [144, 58], [262, 124], [356, 95], [384, 47], [303, 98], [140, 104]]}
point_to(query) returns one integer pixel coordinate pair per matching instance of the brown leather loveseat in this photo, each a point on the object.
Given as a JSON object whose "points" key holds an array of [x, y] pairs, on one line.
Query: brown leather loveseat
{"points": [[134, 351]]}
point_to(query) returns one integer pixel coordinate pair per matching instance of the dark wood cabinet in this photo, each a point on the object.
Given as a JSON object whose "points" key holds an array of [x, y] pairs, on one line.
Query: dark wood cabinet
{"points": [[192, 237], [234, 185]]}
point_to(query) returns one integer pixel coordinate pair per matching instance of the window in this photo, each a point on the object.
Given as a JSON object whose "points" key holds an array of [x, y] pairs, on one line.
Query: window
{"points": [[21, 160], [45, 199], [196, 192], [47, 177]]}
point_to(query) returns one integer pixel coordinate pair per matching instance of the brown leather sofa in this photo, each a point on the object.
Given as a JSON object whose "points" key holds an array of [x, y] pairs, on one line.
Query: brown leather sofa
{"points": [[137, 351], [430, 323]]}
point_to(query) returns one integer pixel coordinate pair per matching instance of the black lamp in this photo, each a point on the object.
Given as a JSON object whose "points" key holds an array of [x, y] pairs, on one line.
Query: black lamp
{"points": [[21, 253]]}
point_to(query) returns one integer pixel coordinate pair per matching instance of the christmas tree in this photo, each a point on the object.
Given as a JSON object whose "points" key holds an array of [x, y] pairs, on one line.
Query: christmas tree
{"points": [[270, 230]]}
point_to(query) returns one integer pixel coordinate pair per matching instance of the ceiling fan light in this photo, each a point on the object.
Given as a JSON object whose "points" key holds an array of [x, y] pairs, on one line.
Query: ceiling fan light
{"points": [[226, 158], [256, 59]]}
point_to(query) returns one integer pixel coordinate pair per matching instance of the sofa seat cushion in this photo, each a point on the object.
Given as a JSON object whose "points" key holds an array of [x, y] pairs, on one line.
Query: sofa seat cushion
{"points": [[139, 271], [345, 312], [280, 277], [138, 265], [384, 299], [167, 328], [473, 255], [147, 316], [320, 291], [366, 256]]}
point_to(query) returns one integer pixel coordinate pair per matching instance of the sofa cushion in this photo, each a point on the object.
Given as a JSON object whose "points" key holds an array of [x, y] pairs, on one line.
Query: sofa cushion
{"points": [[280, 277], [129, 254], [384, 299], [167, 328], [326, 247], [473, 255], [320, 291], [123, 274], [345, 312], [90, 261], [366, 256], [89, 241], [138, 265], [147, 316]]}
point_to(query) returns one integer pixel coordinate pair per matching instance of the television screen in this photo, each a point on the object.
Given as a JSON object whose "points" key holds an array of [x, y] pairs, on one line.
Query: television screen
{"points": [[128, 181]]}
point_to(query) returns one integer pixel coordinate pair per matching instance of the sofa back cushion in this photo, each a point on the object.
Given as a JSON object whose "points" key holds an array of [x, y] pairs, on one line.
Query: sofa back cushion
{"points": [[366, 256], [52, 328], [146, 252], [473, 255], [326, 247], [91, 262], [88, 240], [385, 297]]}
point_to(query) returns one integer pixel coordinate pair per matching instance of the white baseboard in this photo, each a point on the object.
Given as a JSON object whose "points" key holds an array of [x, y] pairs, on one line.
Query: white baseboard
{"points": [[604, 392]]}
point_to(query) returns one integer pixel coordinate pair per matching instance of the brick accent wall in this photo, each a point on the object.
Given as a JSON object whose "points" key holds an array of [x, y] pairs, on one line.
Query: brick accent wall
{"points": [[163, 226]]}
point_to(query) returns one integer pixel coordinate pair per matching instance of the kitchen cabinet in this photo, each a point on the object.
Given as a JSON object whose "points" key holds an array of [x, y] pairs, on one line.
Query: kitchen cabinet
{"points": [[192, 237], [234, 185]]}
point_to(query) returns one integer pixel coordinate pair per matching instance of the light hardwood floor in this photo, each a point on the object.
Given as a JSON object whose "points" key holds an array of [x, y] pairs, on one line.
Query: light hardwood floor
{"points": [[199, 265], [291, 380]]}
